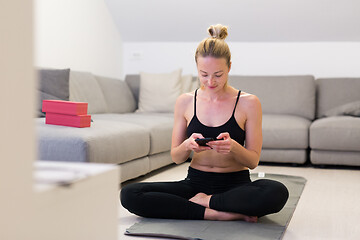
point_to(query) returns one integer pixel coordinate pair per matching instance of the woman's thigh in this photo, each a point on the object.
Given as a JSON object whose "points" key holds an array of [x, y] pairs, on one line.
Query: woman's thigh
{"points": [[180, 188], [161, 200]]}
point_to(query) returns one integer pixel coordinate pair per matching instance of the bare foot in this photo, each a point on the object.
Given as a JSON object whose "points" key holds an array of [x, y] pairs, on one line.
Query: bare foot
{"points": [[201, 199], [211, 214]]}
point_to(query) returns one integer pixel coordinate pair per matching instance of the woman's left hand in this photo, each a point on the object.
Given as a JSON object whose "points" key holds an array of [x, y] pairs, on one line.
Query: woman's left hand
{"points": [[222, 146]]}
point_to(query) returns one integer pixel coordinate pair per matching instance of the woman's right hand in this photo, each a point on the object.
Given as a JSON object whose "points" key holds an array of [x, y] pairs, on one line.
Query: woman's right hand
{"points": [[193, 146]]}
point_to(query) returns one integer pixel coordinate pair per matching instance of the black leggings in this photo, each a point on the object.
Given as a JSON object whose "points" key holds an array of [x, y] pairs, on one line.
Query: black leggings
{"points": [[231, 192]]}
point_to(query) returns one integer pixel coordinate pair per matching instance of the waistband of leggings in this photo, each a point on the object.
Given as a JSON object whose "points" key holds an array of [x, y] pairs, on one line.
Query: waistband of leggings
{"points": [[240, 175]]}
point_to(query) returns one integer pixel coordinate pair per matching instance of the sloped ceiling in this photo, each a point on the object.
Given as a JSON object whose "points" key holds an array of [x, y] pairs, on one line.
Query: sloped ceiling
{"points": [[248, 20]]}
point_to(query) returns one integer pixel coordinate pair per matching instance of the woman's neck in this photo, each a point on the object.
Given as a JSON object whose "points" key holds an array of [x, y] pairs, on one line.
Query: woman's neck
{"points": [[215, 95]]}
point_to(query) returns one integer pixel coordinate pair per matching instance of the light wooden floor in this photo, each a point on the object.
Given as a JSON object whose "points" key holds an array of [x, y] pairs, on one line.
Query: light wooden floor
{"points": [[329, 207]]}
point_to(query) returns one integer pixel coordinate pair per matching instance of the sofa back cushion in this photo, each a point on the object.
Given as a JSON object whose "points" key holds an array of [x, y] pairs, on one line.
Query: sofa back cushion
{"points": [[335, 92], [118, 96], [292, 95], [133, 81], [85, 88], [53, 84], [159, 91]]}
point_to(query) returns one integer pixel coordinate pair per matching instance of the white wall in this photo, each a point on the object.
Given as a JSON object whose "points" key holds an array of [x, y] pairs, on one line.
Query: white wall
{"points": [[82, 35], [248, 20], [17, 103], [321, 59], [77, 34]]}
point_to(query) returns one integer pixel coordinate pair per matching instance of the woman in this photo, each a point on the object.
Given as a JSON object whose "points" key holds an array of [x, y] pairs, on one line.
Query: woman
{"points": [[218, 186]]}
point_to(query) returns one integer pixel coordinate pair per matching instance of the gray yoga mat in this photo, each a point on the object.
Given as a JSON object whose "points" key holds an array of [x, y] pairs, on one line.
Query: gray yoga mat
{"points": [[271, 226]]}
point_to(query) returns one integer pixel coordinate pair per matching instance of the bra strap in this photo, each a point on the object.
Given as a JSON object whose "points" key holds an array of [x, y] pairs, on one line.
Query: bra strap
{"points": [[237, 99], [195, 102]]}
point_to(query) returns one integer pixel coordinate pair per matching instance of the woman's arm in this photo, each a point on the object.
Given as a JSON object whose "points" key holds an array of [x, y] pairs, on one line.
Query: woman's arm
{"points": [[181, 146], [249, 155]]}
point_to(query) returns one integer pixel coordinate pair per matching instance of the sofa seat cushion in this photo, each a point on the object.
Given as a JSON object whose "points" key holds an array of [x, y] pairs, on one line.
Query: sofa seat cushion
{"points": [[298, 156], [134, 168], [285, 132], [348, 158], [104, 141], [159, 125], [336, 133]]}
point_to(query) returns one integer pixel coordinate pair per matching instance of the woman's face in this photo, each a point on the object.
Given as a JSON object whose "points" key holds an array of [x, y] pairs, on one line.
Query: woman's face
{"points": [[213, 72]]}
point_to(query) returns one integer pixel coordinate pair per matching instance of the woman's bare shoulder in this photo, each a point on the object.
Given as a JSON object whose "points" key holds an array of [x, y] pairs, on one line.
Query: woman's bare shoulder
{"points": [[248, 100], [184, 100]]}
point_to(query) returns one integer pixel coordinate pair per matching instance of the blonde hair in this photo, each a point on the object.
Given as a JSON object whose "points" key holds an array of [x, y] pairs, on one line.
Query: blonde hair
{"points": [[215, 46]]}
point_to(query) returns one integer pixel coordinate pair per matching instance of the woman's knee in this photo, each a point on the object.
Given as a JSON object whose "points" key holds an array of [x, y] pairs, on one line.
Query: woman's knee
{"points": [[282, 192], [129, 196], [278, 195]]}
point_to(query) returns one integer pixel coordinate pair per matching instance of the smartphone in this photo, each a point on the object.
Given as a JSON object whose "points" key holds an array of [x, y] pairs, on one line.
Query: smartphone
{"points": [[203, 141]]}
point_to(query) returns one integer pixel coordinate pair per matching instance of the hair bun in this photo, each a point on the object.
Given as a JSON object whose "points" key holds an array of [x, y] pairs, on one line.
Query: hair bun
{"points": [[218, 31]]}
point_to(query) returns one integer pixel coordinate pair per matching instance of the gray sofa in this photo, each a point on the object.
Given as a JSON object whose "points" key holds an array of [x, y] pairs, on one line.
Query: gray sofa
{"points": [[288, 104], [294, 129], [335, 134], [304, 118], [138, 142]]}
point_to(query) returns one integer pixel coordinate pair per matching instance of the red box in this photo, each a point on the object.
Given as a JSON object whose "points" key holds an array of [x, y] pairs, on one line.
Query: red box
{"points": [[64, 107], [79, 121]]}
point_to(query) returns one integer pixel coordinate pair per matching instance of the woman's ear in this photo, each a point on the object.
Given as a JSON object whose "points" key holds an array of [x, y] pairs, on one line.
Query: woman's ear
{"points": [[229, 66]]}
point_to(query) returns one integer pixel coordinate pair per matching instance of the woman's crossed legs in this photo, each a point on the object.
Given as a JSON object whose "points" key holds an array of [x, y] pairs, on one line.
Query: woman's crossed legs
{"points": [[181, 200]]}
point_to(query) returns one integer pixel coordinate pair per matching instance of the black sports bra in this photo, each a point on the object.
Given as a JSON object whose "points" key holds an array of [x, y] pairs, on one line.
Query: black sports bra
{"points": [[231, 126]]}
